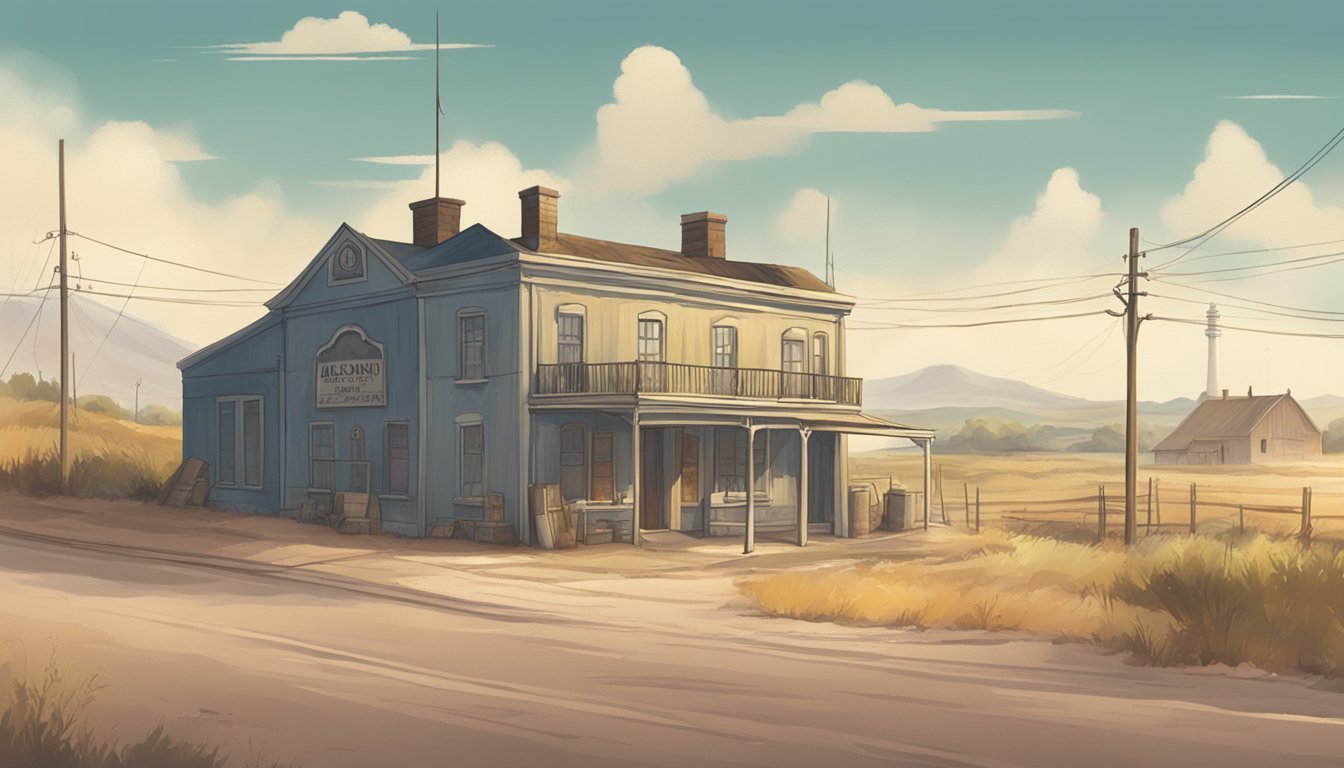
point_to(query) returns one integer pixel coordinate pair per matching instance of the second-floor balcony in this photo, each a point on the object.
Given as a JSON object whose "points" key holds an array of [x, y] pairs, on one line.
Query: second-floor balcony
{"points": [[652, 377]]}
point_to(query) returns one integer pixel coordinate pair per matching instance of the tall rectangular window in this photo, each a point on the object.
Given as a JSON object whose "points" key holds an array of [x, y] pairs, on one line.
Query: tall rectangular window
{"points": [[239, 425], [321, 448], [570, 339], [651, 340], [725, 347], [473, 345], [730, 461], [226, 470], [252, 443], [574, 462], [819, 359], [604, 467], [793, 355], [471, 455], [398, 458]]}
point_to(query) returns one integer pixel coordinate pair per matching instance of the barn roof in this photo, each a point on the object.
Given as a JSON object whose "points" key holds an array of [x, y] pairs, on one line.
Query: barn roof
{"points": [[1222, 418]]}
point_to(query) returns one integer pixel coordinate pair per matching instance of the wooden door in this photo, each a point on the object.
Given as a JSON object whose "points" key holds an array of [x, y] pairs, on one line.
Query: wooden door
{"points": [[651, 490], [821, 478]]}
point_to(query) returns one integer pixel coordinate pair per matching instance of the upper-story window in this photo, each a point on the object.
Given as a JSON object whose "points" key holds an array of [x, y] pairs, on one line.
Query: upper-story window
{"points": [[820, 359], [792, 350], [724, 340], [471, 332], [651, 347], [569, 337]]}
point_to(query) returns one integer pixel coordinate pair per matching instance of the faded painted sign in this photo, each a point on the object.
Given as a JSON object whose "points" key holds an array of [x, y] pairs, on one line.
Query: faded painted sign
{"points": [[350, 371]]}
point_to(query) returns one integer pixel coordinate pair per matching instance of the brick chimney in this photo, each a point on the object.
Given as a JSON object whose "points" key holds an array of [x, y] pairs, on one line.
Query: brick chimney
{"points": [[541, 218], [702, 235], [435, 220]]}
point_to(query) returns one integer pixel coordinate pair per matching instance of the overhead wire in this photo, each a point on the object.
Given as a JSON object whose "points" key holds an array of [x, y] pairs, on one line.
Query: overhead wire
{"points": [[1267, 331], [1006, 321], [175, 263], [130, 295], [19, 343]]}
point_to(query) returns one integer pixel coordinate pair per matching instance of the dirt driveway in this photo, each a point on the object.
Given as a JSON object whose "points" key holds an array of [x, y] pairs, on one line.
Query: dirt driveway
{"points": [[267, 635]]}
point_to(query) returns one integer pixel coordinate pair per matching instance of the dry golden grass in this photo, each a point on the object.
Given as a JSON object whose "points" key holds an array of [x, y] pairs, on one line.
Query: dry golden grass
{"points": [[27, 426], [1171, 600], [1016, 484], [109, 457]]}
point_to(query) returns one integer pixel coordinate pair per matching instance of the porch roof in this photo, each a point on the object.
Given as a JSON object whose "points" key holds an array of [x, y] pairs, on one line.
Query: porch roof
{"points": [[850, 423]]}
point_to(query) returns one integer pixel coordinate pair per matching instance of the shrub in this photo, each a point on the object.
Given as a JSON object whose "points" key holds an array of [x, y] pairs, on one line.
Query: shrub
{"points": [[103, 404], [1333, 441], [42, 727], [106, 473], [159, 416]]}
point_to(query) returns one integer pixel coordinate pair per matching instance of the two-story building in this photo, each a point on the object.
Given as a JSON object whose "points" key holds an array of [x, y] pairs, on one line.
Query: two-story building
{"points": [[659, 389]]}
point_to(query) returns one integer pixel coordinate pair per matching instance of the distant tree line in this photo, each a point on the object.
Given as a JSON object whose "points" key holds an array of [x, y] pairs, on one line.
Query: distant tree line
{"points": [[24, 386], [1003, 436], [1334, 437]]}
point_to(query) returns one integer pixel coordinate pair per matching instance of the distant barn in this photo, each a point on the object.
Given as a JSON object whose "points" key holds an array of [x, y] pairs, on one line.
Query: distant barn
{"points": [[1242, 430]]}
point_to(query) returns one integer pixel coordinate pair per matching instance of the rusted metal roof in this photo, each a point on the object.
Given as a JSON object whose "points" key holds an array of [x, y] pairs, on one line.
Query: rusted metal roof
{"points": [[643, 255], [1230, 417]]}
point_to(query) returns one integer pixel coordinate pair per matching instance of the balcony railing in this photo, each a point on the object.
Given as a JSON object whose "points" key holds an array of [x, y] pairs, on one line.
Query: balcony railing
{"points": [[649, 377]]}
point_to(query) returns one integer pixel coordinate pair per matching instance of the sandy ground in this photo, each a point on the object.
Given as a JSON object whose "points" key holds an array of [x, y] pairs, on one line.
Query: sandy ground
{"points": [[269, 636]]}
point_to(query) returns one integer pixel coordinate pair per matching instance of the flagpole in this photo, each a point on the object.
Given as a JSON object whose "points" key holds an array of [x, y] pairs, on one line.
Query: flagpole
{"points": [[438, 109]]}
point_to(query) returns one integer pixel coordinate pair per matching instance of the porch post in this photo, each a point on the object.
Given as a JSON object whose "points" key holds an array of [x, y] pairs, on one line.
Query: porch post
{"points": [[749, 539], [804, 434], [928, 480], [636, 466]]}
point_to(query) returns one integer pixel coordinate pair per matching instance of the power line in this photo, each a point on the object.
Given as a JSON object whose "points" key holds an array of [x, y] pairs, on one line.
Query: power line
{"points": [[1301, 334], [1255, 309], [170, 300], [175, 263], [1335, 259], [1254, 301], [144, 287], [1266, 250], [1267, 265], [904, 326], [1105, 336], [130, 295], [1058, 282], [1212, 232], [1043, 302], [24, 335]]}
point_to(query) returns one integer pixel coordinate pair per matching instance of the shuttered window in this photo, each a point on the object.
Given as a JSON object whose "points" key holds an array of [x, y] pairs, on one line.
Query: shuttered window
{"points": [[398, 458]]}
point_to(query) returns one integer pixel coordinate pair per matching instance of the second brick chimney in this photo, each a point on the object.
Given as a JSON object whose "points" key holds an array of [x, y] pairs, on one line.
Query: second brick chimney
{"points": [[541, 218], [702, 235], [435, 220]]}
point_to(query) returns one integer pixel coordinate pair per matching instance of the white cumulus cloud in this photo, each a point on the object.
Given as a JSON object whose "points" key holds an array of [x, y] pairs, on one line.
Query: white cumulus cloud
{"points": [[805, 216], [348, 37], [660, 128]]}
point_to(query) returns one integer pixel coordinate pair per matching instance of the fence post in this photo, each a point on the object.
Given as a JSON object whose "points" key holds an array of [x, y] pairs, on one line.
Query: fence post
{"points": [[1150, 507], [1101, 513], [1241, 517], [1306, 515], [977, 509], [966, 503], [1157, 492], [1192, 509]]}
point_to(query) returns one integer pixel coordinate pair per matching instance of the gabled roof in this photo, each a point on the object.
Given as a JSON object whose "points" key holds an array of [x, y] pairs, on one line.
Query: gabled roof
{"points": [[1222, 418], [473, 243], [376, 248], [246, 332]]}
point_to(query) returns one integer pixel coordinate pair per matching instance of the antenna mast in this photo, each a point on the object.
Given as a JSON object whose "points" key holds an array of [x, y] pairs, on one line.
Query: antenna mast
{"points": [[438, 108]]}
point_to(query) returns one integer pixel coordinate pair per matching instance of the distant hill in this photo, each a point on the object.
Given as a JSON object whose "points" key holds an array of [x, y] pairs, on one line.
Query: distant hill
{"points": [[951, 386], [134, 350]]}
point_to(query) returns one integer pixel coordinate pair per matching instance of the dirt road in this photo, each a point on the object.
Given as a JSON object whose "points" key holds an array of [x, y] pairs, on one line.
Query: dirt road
{"points": [[264, 635]]}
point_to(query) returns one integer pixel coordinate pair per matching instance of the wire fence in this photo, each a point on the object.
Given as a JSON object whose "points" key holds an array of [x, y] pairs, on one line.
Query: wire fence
{"points": [[1186, 509]]}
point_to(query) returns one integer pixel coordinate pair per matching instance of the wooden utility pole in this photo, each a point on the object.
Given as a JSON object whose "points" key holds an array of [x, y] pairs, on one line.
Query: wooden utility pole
{"points": [[136, 416], [65, 336], [1132, 388]]}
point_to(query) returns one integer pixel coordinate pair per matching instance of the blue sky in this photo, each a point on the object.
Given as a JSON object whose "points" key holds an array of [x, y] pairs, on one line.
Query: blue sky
{"points": [[1147, 83]]}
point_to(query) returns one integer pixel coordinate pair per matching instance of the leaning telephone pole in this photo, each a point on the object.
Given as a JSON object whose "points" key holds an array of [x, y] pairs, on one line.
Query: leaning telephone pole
{"points": [[65, 338], [1131, 315]]}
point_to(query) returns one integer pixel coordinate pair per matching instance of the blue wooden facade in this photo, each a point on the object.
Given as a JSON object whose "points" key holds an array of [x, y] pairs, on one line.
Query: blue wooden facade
{"points": [[660, 389]]}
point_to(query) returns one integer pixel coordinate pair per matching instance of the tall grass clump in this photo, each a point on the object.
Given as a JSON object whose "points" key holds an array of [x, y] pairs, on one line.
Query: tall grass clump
{"points": [[42, 727], [1170, 600], [107, 472]]}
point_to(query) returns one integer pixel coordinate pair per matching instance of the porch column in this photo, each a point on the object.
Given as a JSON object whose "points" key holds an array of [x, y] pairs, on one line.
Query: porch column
{"points": [[749, 539], [928, 480], [804, 435], [636, 466]]}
